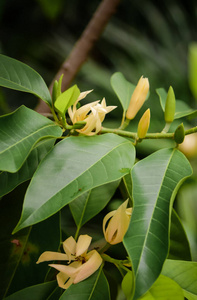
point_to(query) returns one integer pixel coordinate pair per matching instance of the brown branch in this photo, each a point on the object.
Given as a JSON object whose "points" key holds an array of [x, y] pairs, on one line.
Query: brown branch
{"points": [[81, 50]]}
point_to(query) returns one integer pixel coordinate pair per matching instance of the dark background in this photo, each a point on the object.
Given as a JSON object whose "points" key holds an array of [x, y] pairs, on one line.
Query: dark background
{"points": [[145, 37]]}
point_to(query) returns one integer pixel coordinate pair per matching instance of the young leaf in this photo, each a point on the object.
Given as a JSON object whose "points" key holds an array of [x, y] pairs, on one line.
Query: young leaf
{"points": [[184, 273], [86, 206], [18, 76], [179, 245], [66, 99], [94, 287], [38, 292], [164, 288], [19, 132], [156, 180], [123, 89], [182, 109], [75, 166], [8, 181]]}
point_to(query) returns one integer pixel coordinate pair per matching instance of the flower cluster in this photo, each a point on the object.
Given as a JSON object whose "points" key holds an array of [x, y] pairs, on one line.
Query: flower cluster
{"points": [[81, 263], [92, 113]]}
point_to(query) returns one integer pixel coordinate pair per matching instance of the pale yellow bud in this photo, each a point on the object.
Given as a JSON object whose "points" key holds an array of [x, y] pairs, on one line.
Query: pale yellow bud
{"points": [[138, 97], [143, 124], [189, 145], [117, 222]]}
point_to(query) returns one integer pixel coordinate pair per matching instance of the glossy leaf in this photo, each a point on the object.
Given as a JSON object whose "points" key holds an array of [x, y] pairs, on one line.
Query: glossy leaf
{"points": [[94, 287], [183, 272], [38, 292], [189, 296], [92, 202], [8, 181], [123, 89], [164, 288], [75, 166], [18, 76], [66, 99], [179, 244], [182, 109], [19, 133], [155, 183]]}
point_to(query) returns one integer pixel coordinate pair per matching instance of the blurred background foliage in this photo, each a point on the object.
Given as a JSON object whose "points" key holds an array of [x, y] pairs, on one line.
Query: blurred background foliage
{"points": [[145, 37]]}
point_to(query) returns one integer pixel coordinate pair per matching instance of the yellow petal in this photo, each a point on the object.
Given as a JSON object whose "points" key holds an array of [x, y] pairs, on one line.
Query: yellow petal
{"points": [[83, 244], [63, 280], [82, 112], [118, 224], [70, 270], [83, 95], [49, 255], [93, 262], [138, 97], [69, 246]]}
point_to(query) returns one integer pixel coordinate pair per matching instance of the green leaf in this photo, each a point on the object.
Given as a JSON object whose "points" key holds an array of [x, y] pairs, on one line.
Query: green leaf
{"points": [[8, 181], [189, 296], [179, 245], [164, 288], [75, 166], [18, 76], [19, 133], [89, 204], [94, 287], [182, 109], [38, 292], [156, 179], [66, 99], [183, 272], [123, 89]]}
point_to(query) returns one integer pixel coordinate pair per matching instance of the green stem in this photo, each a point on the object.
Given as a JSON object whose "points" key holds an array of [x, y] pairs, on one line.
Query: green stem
{"points": [[133, 135], [105, 248], [191, 130]]}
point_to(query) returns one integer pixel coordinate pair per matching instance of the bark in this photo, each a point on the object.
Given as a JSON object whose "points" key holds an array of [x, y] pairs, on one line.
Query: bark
{"points": [[82, 48]]}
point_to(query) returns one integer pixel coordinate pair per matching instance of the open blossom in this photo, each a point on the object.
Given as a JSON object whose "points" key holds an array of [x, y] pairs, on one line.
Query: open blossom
{"points": [[92, 113], [138, 97], [116, 223], [83, 263]]}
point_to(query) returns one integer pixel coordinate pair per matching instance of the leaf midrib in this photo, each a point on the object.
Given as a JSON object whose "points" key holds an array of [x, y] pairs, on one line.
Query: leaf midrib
{"points": [[23, 139], [147, 234]]}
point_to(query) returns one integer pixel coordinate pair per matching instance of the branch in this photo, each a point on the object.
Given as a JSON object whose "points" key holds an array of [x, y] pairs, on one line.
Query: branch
{"points": [[84, 45]]}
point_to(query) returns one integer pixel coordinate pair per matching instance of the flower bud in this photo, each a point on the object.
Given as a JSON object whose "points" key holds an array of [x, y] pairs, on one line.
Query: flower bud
{"points": [[118, 222], [138, 97], [189, 145], [179, 134], [170, 106], [143, 124], [57, 88]]}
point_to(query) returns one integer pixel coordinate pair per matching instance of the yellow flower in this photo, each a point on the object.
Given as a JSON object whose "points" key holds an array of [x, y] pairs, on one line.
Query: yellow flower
{"points": [[138, 97], [143, 124], [118, 222], [92, 113], [84, 263]]}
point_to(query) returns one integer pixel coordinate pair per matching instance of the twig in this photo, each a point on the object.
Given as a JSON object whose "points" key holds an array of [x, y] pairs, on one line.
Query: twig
{"points": [[83, 46]]}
